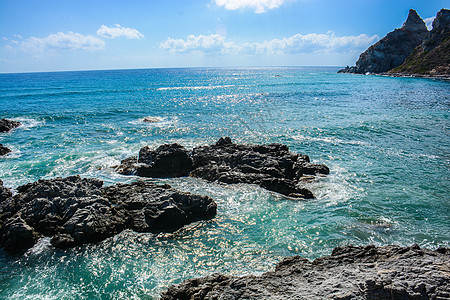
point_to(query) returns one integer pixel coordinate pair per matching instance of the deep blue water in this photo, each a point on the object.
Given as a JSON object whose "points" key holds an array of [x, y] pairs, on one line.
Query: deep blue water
{"points": [[386, 141]]}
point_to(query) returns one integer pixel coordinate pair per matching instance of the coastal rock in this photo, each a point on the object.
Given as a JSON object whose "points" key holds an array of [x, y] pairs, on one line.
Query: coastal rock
{"points": [[155, 208], [4, 150], [363, 272], [432, 57], [392, 50], [5, 193], [74, 211], [169, 160], [272, 167], [7, 125]]}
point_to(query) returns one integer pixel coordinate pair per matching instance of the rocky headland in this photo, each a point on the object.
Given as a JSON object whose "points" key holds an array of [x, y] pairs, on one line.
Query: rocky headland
{"points": [[432, 57], [411, 50], [74, 211], [272, 166], [363, 272]]}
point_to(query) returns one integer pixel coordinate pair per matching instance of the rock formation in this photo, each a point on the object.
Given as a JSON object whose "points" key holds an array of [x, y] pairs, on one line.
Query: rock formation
{"points": [[74, 211], [393, 49], [4, 150], [7, 125], [366, 272], [432, 57], [272, 166]]}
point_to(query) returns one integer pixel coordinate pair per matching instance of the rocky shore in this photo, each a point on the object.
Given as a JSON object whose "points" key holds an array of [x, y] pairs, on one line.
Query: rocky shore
{"points": [[74, 211], [364, 272], [272, 166], [8, 125]]}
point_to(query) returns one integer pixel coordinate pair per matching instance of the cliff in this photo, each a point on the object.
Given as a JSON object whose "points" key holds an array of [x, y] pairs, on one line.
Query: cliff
{"points": [[432, 57], [392, 50]]}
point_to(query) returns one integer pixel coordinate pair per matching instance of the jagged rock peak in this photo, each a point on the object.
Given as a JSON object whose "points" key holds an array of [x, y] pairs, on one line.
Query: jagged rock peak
{"points": [[414, 22], [442, 20]]}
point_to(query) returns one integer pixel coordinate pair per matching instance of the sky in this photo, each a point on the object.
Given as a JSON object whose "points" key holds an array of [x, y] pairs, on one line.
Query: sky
{"points": [[67, 35]]}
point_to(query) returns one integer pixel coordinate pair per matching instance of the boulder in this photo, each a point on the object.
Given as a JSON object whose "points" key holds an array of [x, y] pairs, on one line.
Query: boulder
{"points": [[7, 125], [169, 160], [351, 272], [4, 150], [74, 211]]}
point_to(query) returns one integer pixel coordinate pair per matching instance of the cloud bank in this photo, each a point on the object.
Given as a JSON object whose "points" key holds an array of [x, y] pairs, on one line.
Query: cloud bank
{"points": [[60, 41], [118, 31], [309, 43], [259, 6]]}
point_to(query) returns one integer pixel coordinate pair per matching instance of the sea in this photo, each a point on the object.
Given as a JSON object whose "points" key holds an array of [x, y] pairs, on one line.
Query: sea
{"points": [[386, 141]]}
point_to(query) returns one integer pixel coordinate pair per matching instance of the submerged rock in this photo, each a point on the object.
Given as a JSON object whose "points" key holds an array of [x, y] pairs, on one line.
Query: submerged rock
{"points": [[364, 272], [272, 166], [74, 211], [7, 125], [4, 150], [392, 50]]}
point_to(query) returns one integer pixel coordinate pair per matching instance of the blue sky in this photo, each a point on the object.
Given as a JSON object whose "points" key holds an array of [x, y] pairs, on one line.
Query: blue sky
{"points": [[57, 35]]}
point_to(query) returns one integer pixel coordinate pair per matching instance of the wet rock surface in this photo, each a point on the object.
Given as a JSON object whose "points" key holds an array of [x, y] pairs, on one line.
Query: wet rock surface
{"points": [[7, 125], [74, 211], [364, 272], [272, 166], [4, 150]]}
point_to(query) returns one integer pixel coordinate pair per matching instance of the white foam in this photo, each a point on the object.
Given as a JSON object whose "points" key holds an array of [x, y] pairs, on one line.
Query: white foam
{"points": [[207, 87], [28, 123], [331, 140], [161, 122]]}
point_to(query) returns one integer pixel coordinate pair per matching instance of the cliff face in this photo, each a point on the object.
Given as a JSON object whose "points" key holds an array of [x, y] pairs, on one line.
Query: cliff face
{"points": [[393, 49], [432, 57]]}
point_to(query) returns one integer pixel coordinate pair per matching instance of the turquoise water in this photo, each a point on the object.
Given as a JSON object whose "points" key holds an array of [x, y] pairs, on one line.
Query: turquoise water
{"points": [[386, 141]]}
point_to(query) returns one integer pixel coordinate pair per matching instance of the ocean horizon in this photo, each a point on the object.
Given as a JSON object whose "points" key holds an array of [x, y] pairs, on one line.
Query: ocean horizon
{"points": [[385, 139]]}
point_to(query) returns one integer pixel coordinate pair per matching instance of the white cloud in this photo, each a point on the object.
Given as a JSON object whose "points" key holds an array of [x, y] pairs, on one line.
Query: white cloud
{"points": [[118, 31], [429, 22], [309, 43], [259, 6], [60, 41], [214, 43]]}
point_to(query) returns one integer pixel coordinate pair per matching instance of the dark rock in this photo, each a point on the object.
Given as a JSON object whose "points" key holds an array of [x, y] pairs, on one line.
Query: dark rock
{"points": [[169, 160], [272, 166], [74, 211], [5, 193], [392, 50], [4, 150], [16, 235], [365, 272], [157, 208], [432, 57], [7, 125]]}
